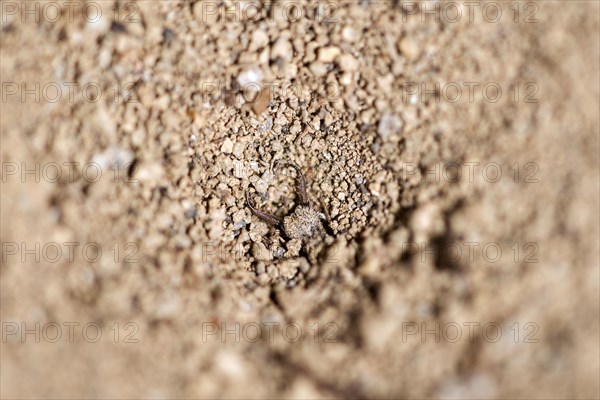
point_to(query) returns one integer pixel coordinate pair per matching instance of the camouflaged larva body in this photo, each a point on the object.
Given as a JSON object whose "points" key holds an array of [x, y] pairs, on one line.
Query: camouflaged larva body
{"points": [[304, 227], [303, 223]]}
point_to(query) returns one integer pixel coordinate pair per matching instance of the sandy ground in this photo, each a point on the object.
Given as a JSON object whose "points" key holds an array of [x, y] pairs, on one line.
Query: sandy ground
{"points": [[452, 149]]}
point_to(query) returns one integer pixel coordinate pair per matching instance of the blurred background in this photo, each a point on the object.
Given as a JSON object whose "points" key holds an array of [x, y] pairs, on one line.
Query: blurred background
{"points": [[452, 147]]}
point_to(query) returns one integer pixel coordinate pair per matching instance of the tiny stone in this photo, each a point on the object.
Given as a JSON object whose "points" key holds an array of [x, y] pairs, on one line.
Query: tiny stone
{"points": [[293, 247], [259, 40], [318, 68], [168, 308], [326, 187], [410, 48], [295, 129], [272, 271], [288, 269], [347, 62], [239, 171], [260, 252], [328, 54], [306, 140], [263, 278], [239, 216], [239, 225], [282, 49], [304, 267], [227, 146], [262, 101], [279, 252], [254, 166], [349, 34], [190, 213], [346, 79], [182, 241], [113, 157], [328, 119], [388, 125], [260, 268], [261, 186], [251, 79], [266, 125]]}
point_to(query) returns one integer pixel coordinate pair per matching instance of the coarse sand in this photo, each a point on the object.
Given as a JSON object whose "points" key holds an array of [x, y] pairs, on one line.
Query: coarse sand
{"points": [[452, 149]]}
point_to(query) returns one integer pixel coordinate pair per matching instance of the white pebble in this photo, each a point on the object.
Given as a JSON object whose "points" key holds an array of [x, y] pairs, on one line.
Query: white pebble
{"points": [[388, 125], [328, 54], [349, 34], [347, 62], [113, 157], [282, 49], [259, 40], [410, 48], [227, 146], [251, 79]]}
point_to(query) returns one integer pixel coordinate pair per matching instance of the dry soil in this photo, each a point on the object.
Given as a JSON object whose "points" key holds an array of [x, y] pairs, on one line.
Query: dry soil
{"points": [[451, 147]]}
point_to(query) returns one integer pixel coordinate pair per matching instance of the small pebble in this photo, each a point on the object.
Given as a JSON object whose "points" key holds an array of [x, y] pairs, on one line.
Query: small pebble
{"points": [[410, 48], [328, 54], [282, 49], [261, 186], [260, 252], [347, 62], [260, 268], [190, 213], [318, 68], [227, 146], [279, 252], [251, 79], [388, 125], [349, 34], [259, 40]]}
